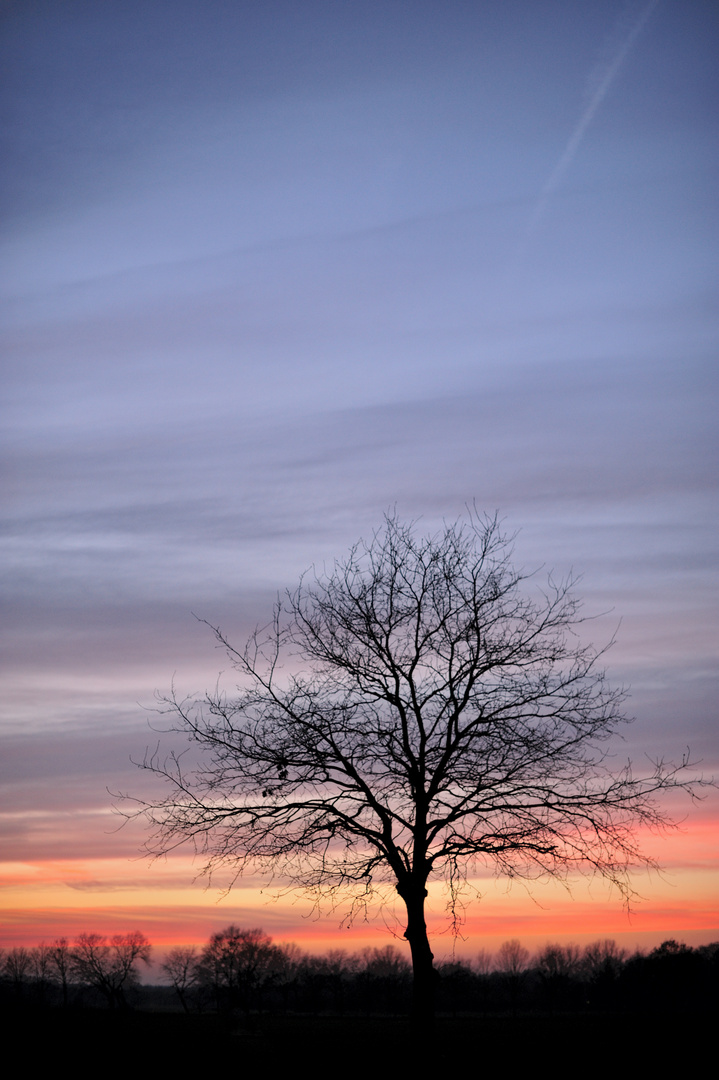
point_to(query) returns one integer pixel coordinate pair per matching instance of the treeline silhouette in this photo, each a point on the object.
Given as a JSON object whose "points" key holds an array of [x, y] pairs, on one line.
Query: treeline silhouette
{"points": [[244, 972]]}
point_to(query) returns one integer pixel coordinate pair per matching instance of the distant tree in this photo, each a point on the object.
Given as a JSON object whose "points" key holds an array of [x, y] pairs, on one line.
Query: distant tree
{"points": [[670, 949], [670, 978], [386, 963], [288, 963], [559, 970], [384, 976], [559, 961], [511, 962], [325, 980], [602, 960], [41, 967], [60, 958], [483, 962], [110, 967], [601, 968], [710, 952], [512, 958], [181, 965], [457, 985], [410, 714], [18, 967], [238, 964]]}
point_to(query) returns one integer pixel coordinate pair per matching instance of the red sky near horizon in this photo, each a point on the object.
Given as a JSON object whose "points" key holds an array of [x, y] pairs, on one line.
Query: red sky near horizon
{"points": [[62, 898]]}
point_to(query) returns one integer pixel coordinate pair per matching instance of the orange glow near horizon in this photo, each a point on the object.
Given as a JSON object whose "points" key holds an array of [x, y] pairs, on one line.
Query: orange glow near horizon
{"points": [[42, 900]]}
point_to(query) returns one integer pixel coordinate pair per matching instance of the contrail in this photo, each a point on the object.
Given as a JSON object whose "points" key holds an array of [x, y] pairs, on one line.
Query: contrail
{"points": [[595, 101]]}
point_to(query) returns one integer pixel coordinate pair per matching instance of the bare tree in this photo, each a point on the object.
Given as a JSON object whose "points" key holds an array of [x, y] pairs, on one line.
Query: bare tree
{"points": [[18, 967], [483, 962], [384, 976], [418, 710], [331, 974], [42, 970], [181, 966], [558, 968], [556, 961], [238, 964], [60, 955], [603, 960], [110, 966], [512, 958], [512, 961]]}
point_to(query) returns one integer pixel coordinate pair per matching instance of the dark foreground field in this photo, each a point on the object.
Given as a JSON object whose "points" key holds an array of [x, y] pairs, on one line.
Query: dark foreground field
{"points": [[93, 1040]]}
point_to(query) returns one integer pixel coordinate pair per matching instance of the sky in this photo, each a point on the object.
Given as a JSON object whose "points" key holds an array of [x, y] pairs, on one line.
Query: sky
{"points": [[270, 270]]}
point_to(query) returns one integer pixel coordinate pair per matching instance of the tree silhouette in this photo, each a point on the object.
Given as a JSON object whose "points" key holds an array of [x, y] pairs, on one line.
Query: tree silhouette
{"points": [[413, 713], [110, 967], [512, 961], [237, 964], [61, 964], [182, 969]]}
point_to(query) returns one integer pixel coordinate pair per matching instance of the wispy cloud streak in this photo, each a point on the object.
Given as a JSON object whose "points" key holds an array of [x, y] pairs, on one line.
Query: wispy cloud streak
{"points": [[604, 83]]}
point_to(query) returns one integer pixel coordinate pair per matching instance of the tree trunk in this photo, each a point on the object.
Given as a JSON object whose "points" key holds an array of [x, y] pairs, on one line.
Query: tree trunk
{"points": [[424, 976]]}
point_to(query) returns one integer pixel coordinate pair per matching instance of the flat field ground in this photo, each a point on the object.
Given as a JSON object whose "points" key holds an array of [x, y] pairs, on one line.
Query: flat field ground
{"points": [[353, 1045]]}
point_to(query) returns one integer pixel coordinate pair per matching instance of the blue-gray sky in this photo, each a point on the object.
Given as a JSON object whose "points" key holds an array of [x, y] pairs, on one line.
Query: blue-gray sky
{"points": [[270, 269]]}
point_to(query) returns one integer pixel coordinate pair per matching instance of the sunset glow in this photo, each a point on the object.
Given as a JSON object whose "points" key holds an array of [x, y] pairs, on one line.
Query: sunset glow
{"points": [[43, 900], [271, 270]]}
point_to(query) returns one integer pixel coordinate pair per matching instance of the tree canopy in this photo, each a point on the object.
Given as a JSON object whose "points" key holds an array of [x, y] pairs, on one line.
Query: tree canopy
{"points": [[420, 708]]}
